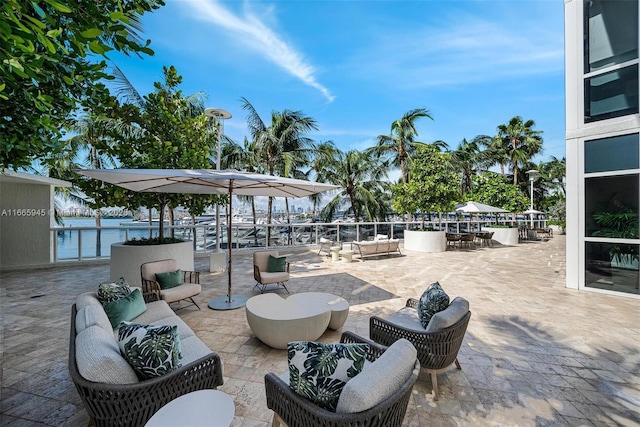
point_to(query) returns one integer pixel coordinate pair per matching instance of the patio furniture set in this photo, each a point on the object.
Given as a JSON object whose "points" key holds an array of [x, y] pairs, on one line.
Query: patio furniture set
{"points": [[469, 240], [123, 379], [380, 245]]}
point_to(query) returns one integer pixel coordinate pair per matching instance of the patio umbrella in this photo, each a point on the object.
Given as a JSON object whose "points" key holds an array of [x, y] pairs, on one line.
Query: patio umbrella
{"points": [[472, 207], [208, 181]]}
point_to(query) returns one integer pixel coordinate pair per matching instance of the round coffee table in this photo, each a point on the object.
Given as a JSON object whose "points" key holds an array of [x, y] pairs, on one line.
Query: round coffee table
{"points": [[276, 321], [338, 306], [198, 408]]}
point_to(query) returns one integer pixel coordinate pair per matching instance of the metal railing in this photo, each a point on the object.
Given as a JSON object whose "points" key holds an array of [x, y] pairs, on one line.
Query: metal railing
{"points": [[77, 243]]}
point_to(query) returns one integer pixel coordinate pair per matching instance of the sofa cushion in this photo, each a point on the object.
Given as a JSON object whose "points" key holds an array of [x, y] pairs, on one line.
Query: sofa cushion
{"points": [[112, 291], [408, 318], [319, 371], [155, 311], [99, 360], [152, 351], [86, 299], [276, 264], [379, 380], [92, 315], [450, 315], [192, 349], [433, 300], [125, 309], [169, 279]]}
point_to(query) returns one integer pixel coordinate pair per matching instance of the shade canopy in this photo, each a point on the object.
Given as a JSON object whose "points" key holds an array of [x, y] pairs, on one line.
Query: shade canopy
{"points": [[209, 181], [532, 212], [206, 181], [476, 207]]}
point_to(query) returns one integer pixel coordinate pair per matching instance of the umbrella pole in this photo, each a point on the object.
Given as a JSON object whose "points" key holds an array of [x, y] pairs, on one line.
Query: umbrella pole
{"points": [[228, 302]]}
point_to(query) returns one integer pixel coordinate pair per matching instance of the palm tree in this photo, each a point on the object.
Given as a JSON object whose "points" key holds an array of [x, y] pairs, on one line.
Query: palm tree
{"points": [[360, 175], [400, 144], [554, 173], [520, 141], [465, 159], [325, 154], [282, 145]]}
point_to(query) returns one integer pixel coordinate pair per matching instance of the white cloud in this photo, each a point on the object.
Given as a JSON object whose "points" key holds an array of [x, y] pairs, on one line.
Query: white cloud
{"points": [[253, 32]]}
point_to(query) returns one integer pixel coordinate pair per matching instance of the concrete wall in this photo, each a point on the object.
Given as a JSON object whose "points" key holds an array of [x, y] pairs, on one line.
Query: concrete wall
{"points": [[25, 219]]}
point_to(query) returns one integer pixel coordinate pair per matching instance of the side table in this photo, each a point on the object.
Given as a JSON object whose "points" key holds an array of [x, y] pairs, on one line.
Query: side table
{"points": [[198, 408], [335, 253]]}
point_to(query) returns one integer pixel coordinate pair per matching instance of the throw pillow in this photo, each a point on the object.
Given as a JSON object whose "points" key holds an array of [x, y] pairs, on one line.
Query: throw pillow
{"points": [[152, 351], [276, 264], [319, 371], [169, 279], [112, 291], [125, 309], [433, 300]]}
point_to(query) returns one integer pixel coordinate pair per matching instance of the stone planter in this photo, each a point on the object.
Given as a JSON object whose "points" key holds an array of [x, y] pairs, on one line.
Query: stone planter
{"points": [[127, 259], [504, 236], [425, 241]]}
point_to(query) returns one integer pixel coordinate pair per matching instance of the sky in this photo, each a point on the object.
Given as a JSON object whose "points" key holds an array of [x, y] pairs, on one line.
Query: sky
{"points": [[356, 66]]}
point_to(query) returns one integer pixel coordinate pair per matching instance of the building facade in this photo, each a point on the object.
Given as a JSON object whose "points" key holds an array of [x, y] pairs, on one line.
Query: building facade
{"points": [[602, 145]]}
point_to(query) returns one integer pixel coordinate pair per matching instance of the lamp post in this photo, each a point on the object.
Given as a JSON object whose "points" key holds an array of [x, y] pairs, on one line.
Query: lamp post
{"points": [[532, 176], [220, 115]]}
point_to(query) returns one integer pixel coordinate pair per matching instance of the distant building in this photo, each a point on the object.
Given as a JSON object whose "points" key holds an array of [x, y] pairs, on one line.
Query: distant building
{"points": [[602, 145]]}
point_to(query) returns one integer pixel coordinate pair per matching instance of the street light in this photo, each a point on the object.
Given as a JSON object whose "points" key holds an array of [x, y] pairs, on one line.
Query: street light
{"points": [[532, 176], [220, 115]]}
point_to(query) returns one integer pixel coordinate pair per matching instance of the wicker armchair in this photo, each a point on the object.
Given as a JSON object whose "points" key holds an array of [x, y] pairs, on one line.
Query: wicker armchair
{"points": [[261, 273], [437, 350], [132, 405], [150, 286], [294, 410]]}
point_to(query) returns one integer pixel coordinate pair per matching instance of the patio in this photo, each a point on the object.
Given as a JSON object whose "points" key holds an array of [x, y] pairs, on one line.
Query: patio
{"points": [[535, 353]]}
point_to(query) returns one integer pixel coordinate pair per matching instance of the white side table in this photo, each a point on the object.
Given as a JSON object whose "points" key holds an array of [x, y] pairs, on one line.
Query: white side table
{"points": [[198, 408], [335, 253]]}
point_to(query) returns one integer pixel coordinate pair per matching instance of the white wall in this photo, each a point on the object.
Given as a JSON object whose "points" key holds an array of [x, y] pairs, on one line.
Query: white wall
{"points": [[25, 239]]}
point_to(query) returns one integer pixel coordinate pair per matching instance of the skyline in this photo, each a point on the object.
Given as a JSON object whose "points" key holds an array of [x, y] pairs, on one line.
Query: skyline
{"points": [[356, 66]]}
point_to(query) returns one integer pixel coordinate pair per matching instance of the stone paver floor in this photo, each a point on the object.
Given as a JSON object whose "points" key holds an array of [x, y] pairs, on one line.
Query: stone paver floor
{"points": [[535, 353]]}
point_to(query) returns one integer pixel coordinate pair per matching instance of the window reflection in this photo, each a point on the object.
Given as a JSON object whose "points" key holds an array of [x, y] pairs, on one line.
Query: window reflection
{"points": [[612, 267]]}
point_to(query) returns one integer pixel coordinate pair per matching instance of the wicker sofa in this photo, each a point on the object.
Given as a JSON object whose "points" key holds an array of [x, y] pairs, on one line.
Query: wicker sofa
{"points": [[376, 247], [108, 386]]}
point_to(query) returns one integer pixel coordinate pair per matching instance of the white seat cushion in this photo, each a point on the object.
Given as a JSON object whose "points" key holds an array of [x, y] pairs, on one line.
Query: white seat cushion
{"points": [[380, 380], [449, 316], [267, 278], [99, 360], [92, 315], [181, 292]]}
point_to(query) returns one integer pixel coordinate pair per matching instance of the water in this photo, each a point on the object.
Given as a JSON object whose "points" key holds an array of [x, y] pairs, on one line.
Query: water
{"points": [[68, 239]]}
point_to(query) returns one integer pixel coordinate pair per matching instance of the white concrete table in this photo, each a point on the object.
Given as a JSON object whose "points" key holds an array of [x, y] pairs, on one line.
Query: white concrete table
{"points": [[339, 306], [305, 316], [335, 253], [198, 408], [346, 254]]}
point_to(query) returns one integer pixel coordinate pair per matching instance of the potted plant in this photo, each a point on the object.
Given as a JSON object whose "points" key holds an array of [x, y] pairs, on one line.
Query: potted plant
{"points": [[619, 222], [432, 187]]}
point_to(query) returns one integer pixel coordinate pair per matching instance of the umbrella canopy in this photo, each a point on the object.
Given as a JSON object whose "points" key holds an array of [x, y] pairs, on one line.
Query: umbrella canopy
{"points": [[532, 212], [208, 181], [475, 207]]}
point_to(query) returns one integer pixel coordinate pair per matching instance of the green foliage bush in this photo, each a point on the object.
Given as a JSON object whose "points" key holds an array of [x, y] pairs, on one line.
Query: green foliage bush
{"points": [[151, 241]]}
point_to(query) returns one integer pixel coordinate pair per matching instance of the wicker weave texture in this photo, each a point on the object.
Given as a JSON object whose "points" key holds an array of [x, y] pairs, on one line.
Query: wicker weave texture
{"points": [[133, 404], [436, 350], [297, 411]]}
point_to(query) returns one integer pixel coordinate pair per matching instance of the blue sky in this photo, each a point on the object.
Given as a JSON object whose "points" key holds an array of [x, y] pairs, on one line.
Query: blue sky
{"points": [[356, 66]]}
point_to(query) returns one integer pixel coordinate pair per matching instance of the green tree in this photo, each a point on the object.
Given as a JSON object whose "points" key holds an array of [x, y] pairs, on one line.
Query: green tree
{"points": [[465, 159], [400, 144], [520, 142], [52, 59], [281, 145], [494, 189], [326, 152], [433, 186], [360, 175]]}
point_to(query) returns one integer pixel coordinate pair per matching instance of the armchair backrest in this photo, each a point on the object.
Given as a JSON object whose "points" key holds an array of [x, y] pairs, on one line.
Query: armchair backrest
{"points": [[261, 259], [148, 270]]}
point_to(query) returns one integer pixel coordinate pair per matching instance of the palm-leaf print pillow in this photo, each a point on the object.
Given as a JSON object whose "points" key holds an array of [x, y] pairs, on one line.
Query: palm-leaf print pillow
{"points": [[152, 351], [319, 371]]}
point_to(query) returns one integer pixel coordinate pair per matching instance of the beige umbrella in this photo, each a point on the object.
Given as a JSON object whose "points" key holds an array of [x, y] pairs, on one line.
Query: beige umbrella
{"points": [[209, 181]]}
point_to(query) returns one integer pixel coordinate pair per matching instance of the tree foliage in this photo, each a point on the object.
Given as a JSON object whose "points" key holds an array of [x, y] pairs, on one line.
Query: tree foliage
{"points": [[496, 190], [433, 186], [52, 59]]}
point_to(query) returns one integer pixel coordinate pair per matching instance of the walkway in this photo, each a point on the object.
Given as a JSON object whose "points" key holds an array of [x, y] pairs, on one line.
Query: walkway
{"points": [[535, 353]]}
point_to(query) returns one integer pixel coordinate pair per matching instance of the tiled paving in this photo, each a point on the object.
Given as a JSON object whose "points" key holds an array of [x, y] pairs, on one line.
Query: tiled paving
{"points": [[535, 353]]}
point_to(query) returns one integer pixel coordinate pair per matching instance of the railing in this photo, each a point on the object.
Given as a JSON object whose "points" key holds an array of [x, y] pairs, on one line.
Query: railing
{"points": [[82, 243]]}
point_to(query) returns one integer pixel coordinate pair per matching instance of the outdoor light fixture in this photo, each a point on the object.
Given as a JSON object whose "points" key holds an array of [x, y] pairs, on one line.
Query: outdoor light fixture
{"points": [[220, 115]]}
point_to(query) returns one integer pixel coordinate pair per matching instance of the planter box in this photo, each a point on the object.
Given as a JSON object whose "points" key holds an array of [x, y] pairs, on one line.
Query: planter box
{"points": [[504, 236], [127, 259], [425, 241]]}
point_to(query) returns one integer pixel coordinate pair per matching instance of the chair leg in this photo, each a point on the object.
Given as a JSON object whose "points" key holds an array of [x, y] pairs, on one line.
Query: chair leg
{"points": [[458, 364], [434, 382], [277, 421], [194, 303], [284, 286]]}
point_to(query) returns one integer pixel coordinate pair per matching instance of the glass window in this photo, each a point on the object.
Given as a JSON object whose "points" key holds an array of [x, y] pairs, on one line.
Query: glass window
{"points": [[611, 207], [611, 154], [612, 266], [611, 33], [611, 94]]}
